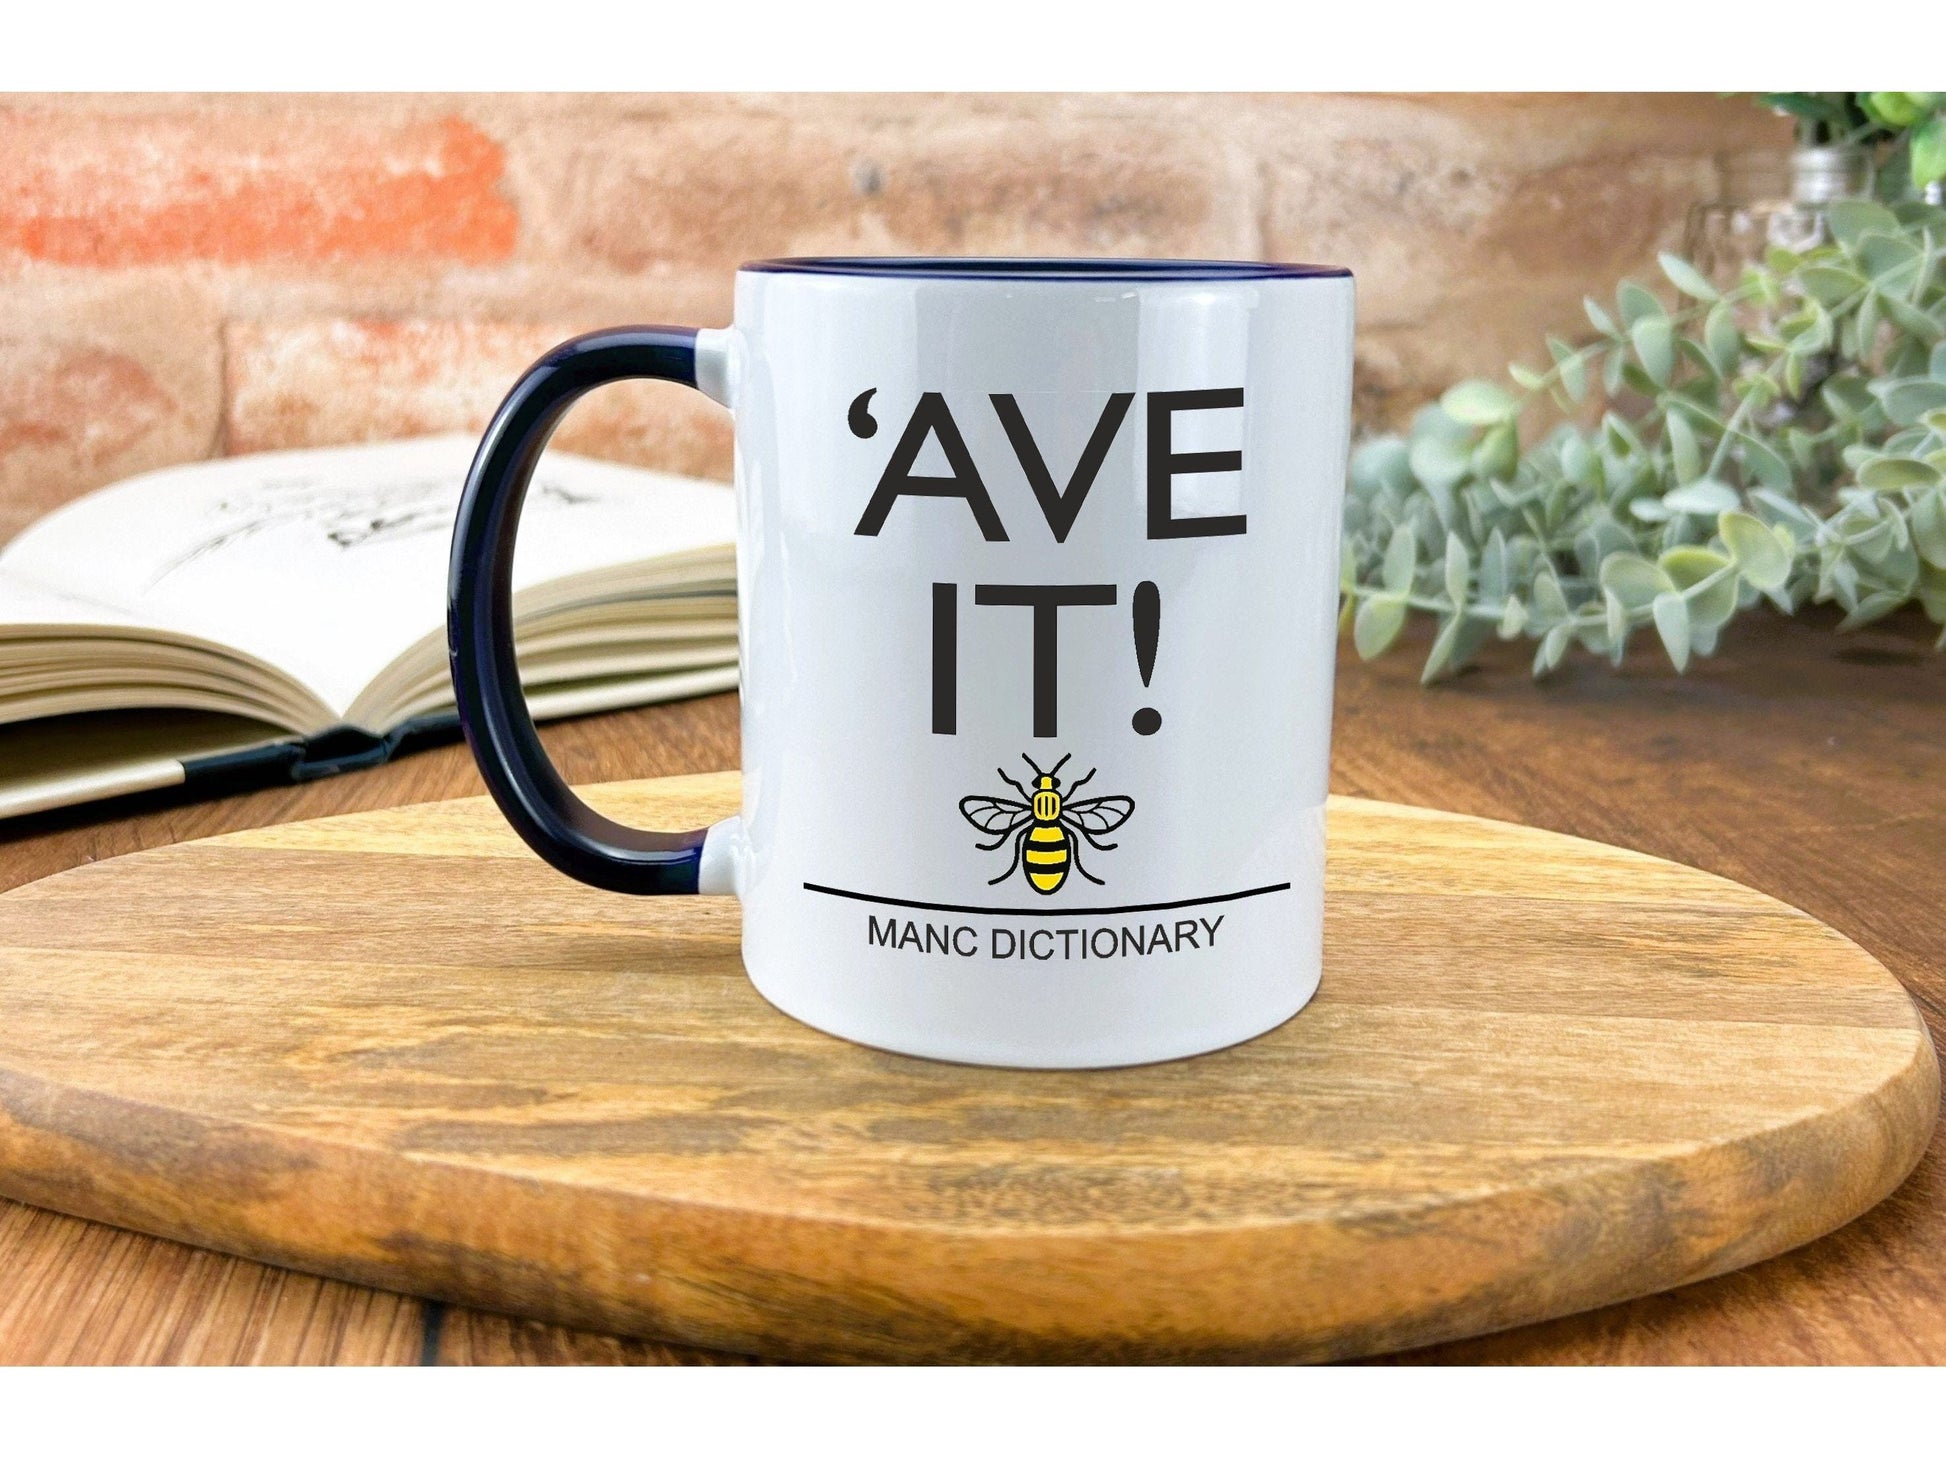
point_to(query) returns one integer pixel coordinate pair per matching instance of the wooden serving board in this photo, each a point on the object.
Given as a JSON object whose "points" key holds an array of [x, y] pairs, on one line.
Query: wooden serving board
{"points": [[1542, 1075]]}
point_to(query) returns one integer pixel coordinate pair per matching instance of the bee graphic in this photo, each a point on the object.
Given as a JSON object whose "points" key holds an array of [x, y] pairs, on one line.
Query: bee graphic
{"points": [[1047, 825]]}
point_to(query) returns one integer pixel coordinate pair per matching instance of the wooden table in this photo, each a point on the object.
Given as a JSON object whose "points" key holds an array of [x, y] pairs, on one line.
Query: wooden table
{"points": [[1809, 765]]}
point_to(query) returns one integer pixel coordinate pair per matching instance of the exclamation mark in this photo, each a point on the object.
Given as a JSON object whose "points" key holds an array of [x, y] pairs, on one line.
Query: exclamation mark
{"points": [[1148, 624]]}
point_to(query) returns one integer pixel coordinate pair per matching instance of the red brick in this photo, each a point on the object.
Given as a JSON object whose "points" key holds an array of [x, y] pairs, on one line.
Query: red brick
{"points": [[1476, 224], [721, 181], [99, 381], [526, 291], [328, 382], [297, 183]]}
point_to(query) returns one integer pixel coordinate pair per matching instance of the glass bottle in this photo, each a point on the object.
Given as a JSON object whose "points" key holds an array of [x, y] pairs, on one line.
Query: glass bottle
{"points": [[1766, 205]]}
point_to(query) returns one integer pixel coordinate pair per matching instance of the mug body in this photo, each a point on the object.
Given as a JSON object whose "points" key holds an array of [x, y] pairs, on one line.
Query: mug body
{"points": [[1038, 575]]}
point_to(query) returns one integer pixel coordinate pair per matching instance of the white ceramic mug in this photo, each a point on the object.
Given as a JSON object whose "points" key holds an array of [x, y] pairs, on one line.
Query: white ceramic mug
{"points": [[1038, 577]]}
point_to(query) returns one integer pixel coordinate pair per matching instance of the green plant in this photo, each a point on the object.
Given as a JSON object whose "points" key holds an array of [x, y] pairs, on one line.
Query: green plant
{"points": [[1905, 130], [1782, 442]]}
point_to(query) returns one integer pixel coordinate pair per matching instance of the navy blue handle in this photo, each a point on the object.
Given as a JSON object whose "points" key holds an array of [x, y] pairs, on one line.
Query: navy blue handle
{"points": [[480, 631]]}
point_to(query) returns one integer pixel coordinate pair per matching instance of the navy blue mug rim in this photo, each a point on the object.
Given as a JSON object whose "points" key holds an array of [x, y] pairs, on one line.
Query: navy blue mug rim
{"points": [[1122, 270]]}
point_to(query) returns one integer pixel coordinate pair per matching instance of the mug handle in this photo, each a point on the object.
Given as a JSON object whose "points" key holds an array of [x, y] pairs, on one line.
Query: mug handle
{"points": [[530, 792]]}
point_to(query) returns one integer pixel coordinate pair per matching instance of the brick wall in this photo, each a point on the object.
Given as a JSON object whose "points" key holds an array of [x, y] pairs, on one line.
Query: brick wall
{"points": [[181, 277]]}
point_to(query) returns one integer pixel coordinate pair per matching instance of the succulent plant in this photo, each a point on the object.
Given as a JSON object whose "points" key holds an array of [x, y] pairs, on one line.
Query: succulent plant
{"points": [[1780, 442]]}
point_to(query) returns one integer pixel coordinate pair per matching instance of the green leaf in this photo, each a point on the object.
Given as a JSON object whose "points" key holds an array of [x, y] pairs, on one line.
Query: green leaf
{"points": [[1897, 473], [1440, 462], [1497, 456], [1762, 462], [1443, 645], [1579, 462], [1906, 400], [1828, 283], [1705, 497], [1691, 349], [1598, 317], [1684, 454], [1616, 613], [1401, 560], [1707, 580], [1377, 625], [1493, 567], [1928, 525], [1846, 396], [1932, 595], [1637, 304], [1850, 219], [1871, 607], [1430, 420], [1613, 364], [1759, 389], [1634, 580], [1840, 581], [1928, 144], [1548, 596], [1384, 462], [1505, 494], [1526, 377], [1690, 565], [1547, 658], [1868, 322], [1809, 334], [1826, 107], [1594, 638], [1478, 403], [1573, 369], [1712, 603], [1684, 276], [1895, 109], [1608, 537], [1513, 619], [1784, 507], [1459, 569], [1893, 263], [1621, 436], [1722, 338], [1759, 556], [1671, 614], [1912, 319], [1654, 347]]}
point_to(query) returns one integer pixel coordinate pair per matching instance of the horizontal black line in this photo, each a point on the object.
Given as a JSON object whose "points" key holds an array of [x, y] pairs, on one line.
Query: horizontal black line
{"points": [[811, 886]]}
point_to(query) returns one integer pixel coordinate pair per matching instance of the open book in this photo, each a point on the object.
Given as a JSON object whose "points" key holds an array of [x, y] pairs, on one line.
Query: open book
{"points": [[282, 616]]}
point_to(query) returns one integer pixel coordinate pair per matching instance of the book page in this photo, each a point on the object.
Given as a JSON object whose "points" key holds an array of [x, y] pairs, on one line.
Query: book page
{"points": [[26, 604], [330, 563], [83, 757]]}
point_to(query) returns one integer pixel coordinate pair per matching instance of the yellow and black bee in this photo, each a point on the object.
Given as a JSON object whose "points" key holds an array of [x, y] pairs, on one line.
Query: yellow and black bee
{"points": [[1047, 825]]}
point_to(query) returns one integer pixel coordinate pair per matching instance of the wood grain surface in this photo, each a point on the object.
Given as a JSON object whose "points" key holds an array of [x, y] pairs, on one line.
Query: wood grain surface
{"points": [[1542, 1075], [1810, 765]]}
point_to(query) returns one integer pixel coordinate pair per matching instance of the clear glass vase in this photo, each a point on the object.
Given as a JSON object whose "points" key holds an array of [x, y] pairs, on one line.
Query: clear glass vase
{"points": [[1771, 204]]}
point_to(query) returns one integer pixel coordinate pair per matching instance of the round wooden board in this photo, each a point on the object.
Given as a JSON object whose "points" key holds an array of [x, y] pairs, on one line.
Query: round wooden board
{"points": [[1542, 1075]]}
